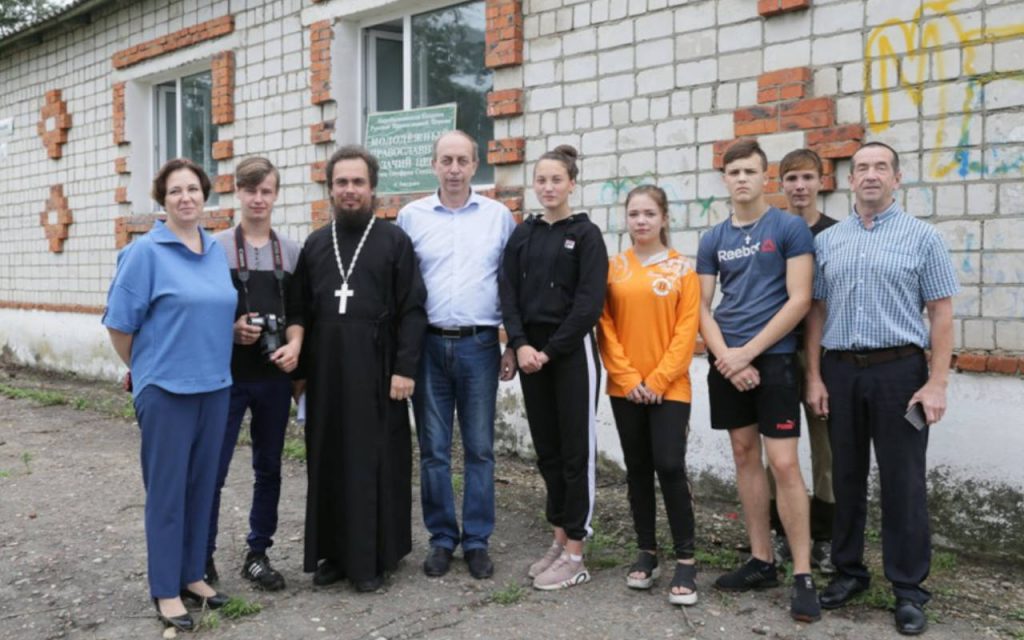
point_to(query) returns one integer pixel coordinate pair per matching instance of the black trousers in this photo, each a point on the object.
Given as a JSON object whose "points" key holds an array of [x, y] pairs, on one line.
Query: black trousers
{"points": [[866, 405], [561, 406], [653, 438]]}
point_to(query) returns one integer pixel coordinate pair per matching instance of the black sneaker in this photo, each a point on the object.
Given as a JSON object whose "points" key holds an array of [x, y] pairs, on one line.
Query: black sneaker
{"points": [[755, 574], [257, 570], [438, 562], [803, 602], [210, 576]]}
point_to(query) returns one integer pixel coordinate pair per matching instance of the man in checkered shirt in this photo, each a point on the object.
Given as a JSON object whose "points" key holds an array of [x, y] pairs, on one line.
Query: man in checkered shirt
{"points": [[866, 367]]}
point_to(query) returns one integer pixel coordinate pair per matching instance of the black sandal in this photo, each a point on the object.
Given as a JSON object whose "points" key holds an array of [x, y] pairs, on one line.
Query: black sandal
{"points": [[686, 577], [646, 563]]}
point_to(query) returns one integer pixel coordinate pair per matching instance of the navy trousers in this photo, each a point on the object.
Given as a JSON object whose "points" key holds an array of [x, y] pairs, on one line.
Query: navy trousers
{"points": [[182, 436]]}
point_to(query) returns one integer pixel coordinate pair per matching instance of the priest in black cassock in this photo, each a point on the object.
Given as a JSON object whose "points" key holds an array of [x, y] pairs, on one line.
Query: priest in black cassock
{"points": [[359, 296]]}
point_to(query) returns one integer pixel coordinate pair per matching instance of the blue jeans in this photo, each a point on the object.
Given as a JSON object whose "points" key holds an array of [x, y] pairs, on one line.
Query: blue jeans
{"points": [[269, 402], [457, 374]]}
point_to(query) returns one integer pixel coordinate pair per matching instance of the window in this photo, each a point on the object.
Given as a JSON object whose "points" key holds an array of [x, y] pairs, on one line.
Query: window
{"points": [[183, 120], [432, 58]]}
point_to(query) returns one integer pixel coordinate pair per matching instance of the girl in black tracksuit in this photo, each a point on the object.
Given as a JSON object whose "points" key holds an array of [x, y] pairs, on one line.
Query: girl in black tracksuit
{"points": [[554, 274]]}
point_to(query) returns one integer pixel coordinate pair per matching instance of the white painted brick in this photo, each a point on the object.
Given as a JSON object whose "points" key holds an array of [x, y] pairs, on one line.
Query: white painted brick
{"points": [[676, 160], [747, 93], [655, 53], [739, 65], [631, 138], [614, 35], [736, 11], [637, 7], [739, 36], [710, 185], [680, 102], [563, 20], [636, 163], [598, 142], [654, 25], [656, 80], [790, 54], [694, 16], [548, 122], [620, 113], [840, 17], [696, 45], [837, 205], [581, 16], [979, 334], [1005, 92], [788, 27], [686, 243], [547, 23], [946, 98], [659, 108], [579, 68], [609, 62], [602, 167], [677, 132], [1007, 55], [531, 27], [945, 64], [583, 117], [713, 128], [537, 6], [639, 109], [602, 115], [1002, 302], [981, 199], [598, 11], [981, 62], [725, 95], [1011, 197], [547, 48], [1005, 127], [532, 128], [849, 111], [967, 266], [689, 74], [851, 77], [618, 87], [949, 132], [967, 302], [919, 201], [544, 98], [776, 145], [1003, 268], [1010, 335], [579, 41], [540, 73], [840, 48], [879, 11], [826, 82], [701, 100], [580, 93], [949, 200]]}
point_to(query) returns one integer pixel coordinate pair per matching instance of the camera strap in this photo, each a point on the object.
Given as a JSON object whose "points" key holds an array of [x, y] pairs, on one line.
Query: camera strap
{"points": [[243, 267]]}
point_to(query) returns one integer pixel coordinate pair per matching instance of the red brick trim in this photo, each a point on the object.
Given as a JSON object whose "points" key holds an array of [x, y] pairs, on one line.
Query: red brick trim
{"points": [[121, 195], [320, 35], [318, 171], [511, 197], [224, 183], [812, 113], [223, 92], [119, 113], [504, 104], [127, 227], [56, 231], [784, 84], [321, 132], [768, 8], [173, 41], [974, 362], [223, 150], [46, 306], [54, 109], [320, 213], [503, 41], [121, 166], [506, 151], [754, 121]]}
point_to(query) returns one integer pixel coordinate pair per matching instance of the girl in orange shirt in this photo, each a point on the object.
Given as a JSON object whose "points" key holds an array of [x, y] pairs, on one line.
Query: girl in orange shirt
{"points": [[648, 332]]}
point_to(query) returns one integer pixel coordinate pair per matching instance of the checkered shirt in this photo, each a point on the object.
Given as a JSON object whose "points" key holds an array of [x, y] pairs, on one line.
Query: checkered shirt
{"points": [[875, 282]]}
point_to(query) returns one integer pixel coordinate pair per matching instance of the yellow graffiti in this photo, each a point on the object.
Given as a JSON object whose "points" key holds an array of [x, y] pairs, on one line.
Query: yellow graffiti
{"points": [[898, 57]]}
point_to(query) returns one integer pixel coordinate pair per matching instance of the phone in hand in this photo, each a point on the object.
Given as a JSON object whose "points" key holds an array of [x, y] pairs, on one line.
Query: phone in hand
{"points": [[915, 416]]}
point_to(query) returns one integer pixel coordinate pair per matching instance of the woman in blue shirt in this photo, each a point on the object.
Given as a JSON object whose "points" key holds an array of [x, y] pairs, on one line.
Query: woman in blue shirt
{"points": [[170, 311]]}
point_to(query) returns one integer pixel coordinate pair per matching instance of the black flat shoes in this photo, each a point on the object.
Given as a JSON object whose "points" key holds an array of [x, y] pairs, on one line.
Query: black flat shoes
{"points": [[216, 601], [183, 622]]}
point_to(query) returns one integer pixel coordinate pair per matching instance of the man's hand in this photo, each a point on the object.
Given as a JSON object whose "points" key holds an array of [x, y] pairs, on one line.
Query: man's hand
{"points": [[932, 397], [401, 387], [529, 359], [816, 396], [507, 367], [246, 333], [286, 358], [747, 379], [732, 362]]}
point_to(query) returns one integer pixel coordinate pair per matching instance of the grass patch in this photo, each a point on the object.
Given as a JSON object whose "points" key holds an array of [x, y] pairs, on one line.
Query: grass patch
{"points": [[509, 595], [236, 608], [4, 474], [209, 621], [1017, 614], [40, 396], [873, 535], [718, 559], [944, 561], [457, 483], [26, 458], [294, 449], [605, 552], [877, 597]]}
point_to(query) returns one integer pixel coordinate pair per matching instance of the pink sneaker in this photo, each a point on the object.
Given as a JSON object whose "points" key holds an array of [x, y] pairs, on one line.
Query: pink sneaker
{"points": [[562, 574], [549, 557]]}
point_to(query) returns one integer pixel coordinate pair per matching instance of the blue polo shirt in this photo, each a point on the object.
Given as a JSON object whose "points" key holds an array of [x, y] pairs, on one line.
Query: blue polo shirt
{"points": [[179, 307], [459, 253]]}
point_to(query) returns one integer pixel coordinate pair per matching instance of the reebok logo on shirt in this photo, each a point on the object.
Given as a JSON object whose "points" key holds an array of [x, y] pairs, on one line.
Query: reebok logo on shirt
{"points": [[725, 255], [768, 246]]}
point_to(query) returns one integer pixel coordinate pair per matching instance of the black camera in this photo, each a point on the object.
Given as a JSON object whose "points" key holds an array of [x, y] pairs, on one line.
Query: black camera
{"points": [[270, 336]]}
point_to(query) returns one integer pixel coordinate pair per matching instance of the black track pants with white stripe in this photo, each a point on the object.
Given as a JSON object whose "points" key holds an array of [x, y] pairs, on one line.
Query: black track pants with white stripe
{"points": [[561, 403]]}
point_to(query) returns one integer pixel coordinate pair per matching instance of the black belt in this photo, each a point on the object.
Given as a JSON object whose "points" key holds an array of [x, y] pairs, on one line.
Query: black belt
{"points": [[871, 357], [457, 332]]}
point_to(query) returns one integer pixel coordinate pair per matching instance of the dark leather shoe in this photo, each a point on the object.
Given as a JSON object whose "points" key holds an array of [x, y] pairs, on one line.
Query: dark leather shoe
{"points": [[840, 591], [480, 565], [371, 585], [438, 561], [327, 572], [210, 575], [216, 601], [910, 618], [181, 623]]}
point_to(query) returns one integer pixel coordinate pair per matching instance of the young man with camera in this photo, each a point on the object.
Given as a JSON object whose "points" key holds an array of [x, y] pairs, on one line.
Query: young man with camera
{"points": [[263, 356]]}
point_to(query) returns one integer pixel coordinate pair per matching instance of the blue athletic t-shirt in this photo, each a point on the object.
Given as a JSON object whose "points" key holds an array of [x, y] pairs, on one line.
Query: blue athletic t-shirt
{"points": [[179, 306], [752, 274]]}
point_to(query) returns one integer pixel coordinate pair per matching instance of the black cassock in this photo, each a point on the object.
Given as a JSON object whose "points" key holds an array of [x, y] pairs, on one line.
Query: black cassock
{"points": [[358, 440]]}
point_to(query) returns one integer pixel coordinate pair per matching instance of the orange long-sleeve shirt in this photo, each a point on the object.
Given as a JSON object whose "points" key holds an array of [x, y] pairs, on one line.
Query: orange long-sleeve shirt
{"points": [[648, 330]]}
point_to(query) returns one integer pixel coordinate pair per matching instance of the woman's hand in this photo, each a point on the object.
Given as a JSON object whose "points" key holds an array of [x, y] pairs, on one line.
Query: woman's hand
{"points": [[246, 333], [530, 360]]}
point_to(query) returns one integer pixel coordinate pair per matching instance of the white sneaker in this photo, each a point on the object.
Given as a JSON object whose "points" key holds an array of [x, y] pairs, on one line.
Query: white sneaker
{"points": [[546, 561], [562, 574]]}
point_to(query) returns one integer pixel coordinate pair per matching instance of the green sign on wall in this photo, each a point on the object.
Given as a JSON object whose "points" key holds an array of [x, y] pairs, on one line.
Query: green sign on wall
{"points": [[403, 141]]}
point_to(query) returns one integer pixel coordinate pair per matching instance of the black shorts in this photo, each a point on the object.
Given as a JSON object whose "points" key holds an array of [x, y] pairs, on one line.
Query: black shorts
{"points": [[774, 405]]}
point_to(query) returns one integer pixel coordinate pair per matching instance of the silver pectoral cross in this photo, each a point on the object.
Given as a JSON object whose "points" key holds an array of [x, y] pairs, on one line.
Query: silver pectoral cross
{"points": [[343, 294]]}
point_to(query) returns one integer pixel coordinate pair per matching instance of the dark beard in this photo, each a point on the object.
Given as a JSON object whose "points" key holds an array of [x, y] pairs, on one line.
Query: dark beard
{"points": [[353, 220]]}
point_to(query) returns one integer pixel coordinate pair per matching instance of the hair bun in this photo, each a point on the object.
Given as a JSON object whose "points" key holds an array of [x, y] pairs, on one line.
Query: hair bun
{"points": [[567, 150]]}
